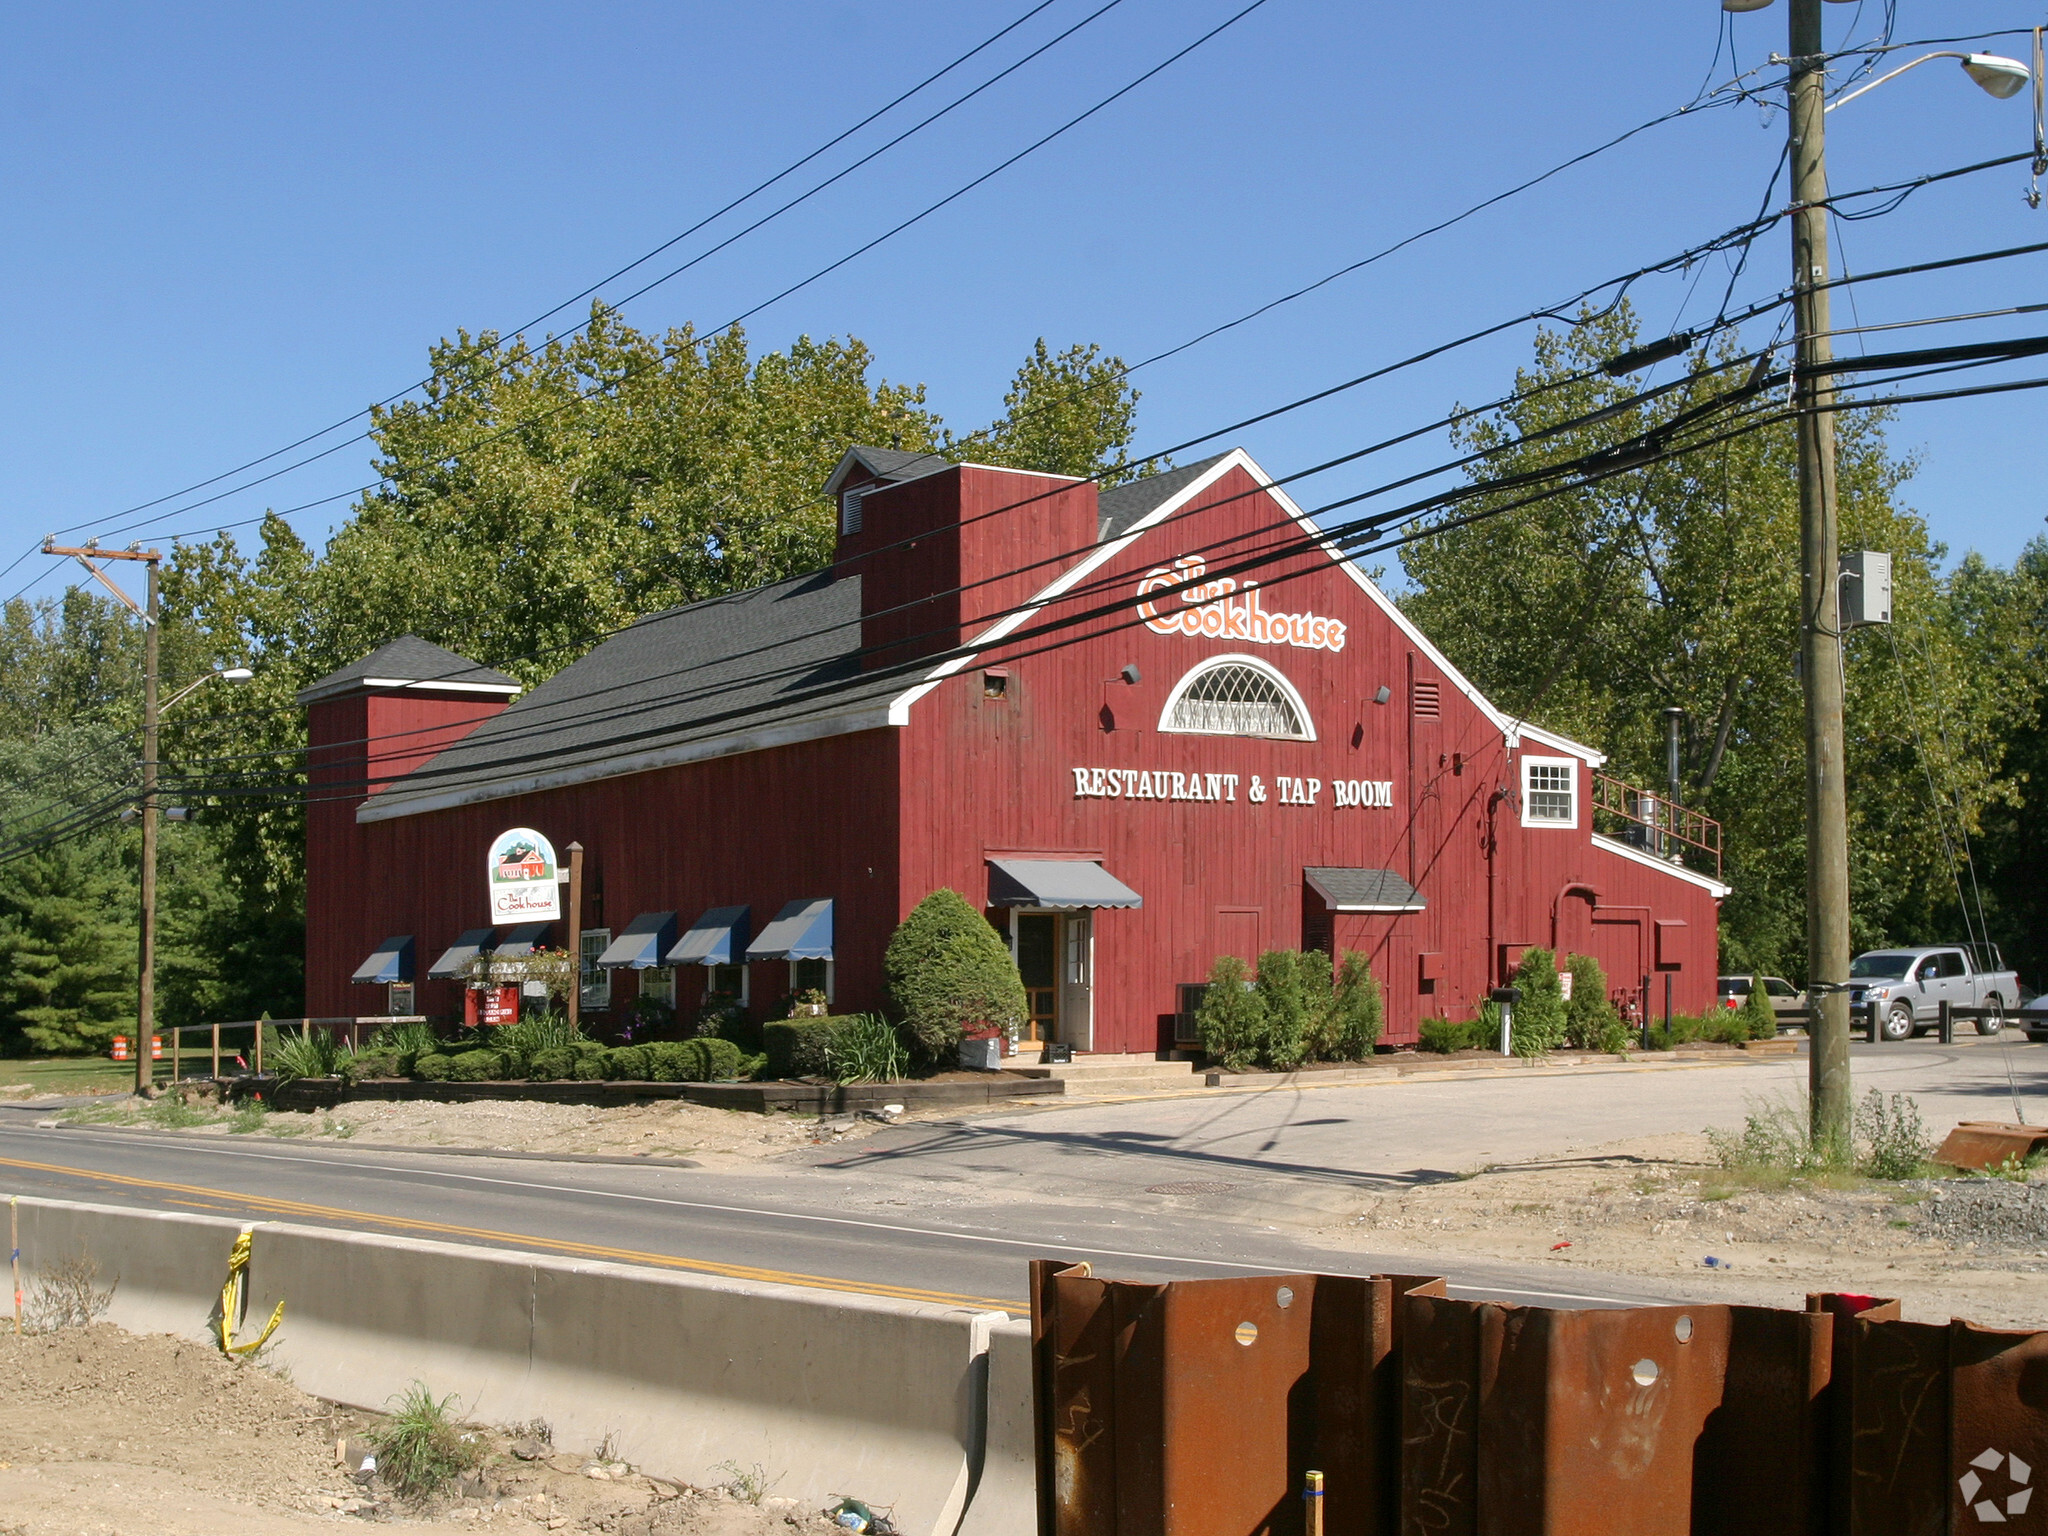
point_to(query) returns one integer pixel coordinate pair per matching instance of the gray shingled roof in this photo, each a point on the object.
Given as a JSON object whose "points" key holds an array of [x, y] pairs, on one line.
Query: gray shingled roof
{"points": [[1367, 889], [412, 659], [889, 465], [1119, 510], [780, 659]]}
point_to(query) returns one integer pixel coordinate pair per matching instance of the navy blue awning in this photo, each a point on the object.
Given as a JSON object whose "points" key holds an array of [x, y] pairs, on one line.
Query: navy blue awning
{"points": [[644, 945], [801, 931], [520, 940], [456, 958], [392, 962], [719, 937]]}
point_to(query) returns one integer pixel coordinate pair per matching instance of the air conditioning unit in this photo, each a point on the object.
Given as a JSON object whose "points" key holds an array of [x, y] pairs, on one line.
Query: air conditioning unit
{"points": [[1185, 1035]]}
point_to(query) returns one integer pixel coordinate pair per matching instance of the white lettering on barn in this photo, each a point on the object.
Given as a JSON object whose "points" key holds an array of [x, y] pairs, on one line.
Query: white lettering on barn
{"points": [[1226, 609], [1150, 784]]}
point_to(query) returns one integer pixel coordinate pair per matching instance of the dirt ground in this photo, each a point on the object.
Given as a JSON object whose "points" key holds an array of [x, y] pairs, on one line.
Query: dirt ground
{"points": [[1659, 1208], [713, 1138], [106, 1433]]}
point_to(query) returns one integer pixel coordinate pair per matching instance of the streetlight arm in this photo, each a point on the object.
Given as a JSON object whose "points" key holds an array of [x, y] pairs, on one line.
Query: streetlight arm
{"points": [[232, 674], [1880, 80]]}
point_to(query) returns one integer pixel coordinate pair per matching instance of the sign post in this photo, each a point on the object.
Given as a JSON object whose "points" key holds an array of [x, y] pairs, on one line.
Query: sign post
{"points": [[1505, 999], [575, 936]]}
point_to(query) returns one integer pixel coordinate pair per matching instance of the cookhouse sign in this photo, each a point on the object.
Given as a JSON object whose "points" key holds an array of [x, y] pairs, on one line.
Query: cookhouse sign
{"points": [[1226, 609]]}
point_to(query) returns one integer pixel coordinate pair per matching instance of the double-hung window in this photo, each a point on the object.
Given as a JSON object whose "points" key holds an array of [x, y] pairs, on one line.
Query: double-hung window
{"points": [[1550, 792], [597, 981]]}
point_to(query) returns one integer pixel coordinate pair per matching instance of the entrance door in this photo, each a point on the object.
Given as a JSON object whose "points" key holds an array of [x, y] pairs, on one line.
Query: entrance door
{"points": [[1077, 980], [1037, 938]]}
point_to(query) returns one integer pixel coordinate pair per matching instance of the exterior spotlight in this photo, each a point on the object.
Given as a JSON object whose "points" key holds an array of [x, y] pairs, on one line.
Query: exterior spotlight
{"points": [[1130, 673], [1744, 5], [1385, 693], [2002, 77]]}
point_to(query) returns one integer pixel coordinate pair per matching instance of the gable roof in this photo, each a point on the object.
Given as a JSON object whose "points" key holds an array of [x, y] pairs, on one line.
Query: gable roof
{"points": [[1123, 507], [730, 674], [410, 662], [888, 465]]}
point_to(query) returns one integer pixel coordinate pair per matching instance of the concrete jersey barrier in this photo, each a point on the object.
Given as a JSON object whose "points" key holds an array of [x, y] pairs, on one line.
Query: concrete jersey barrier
{"points": [[883, 1400]]}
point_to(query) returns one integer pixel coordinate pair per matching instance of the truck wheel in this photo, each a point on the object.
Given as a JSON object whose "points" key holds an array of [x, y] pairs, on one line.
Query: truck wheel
{"points": [[1995, 1005], [1898, 1023]]}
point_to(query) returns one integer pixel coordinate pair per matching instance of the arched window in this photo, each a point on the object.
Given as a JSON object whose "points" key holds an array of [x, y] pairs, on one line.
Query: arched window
{"points": [[1237, 696]]}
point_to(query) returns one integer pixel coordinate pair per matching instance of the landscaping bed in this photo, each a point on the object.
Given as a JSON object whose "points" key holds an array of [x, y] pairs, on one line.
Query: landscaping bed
{"points": [[953, 1088]]}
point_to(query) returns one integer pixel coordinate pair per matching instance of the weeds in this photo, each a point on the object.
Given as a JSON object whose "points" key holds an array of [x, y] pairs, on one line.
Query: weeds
{"points": [[421, 1447], [1895, 1144], [747, 1485], [249, 1118], [67, 1295], [174, 1114], [1776, 1146], [311, 1053]]}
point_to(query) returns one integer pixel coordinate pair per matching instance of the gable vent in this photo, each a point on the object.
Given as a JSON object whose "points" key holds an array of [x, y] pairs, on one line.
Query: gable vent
{"points": [[849, 511], [1428, 704]]}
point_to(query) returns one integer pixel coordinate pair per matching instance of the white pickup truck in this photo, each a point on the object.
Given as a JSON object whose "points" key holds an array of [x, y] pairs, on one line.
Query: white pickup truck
{"points": [[1910, 985]]}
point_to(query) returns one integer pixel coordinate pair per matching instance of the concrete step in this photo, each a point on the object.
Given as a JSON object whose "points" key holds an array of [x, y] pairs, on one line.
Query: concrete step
{"points": [[1091, 1069], [1078, 1089]]}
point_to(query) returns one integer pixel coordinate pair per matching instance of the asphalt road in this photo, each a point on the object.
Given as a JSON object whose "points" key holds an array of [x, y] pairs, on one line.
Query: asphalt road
{"points": [[951, 1211]]}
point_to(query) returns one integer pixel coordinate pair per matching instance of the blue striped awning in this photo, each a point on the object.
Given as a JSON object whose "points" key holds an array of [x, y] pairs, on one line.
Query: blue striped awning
{"points": [[719, 937], [644, 945], [391, 962], [801, 931], [520, 940], [456, 958]]}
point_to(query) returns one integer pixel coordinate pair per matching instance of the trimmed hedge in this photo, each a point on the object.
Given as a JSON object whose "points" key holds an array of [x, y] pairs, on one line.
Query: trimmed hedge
{"points": [[803, 1047], [432, 1068], [552, 1064], [476, 1067], [1444, 1036], [627, 1064]]}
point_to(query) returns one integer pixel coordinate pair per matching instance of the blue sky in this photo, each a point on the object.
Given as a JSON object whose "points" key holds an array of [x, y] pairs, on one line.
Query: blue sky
{"points": [[230, 226]]}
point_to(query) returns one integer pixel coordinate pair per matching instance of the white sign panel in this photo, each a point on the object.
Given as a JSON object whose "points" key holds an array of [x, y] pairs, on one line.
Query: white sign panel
{"points": [[522, 878]]}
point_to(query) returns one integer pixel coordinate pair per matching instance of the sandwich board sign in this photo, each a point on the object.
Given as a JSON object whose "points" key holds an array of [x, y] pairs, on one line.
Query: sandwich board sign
{"points": [[522, 878]]}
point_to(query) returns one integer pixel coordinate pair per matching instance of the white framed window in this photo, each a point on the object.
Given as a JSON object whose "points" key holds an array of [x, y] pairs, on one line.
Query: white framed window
{"points": [[1550, 792], [658, 985], [728, 980], [804, 975], [1237, 696], [597, 981]]}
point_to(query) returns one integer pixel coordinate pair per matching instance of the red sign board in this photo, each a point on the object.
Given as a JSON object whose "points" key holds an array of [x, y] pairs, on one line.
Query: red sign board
{"points": [[501, 1005]]}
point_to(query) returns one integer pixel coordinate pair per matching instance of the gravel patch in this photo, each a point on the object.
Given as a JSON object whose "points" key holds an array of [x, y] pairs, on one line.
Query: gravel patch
{"points": [[1994, 1213]]}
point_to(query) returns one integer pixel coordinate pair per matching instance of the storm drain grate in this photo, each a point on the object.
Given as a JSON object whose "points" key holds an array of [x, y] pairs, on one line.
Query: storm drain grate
{"points": [[1191, 1187]]}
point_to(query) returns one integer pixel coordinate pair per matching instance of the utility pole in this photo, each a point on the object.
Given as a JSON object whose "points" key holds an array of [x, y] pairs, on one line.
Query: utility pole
{"points": [[1820, 630], [145, 970]]}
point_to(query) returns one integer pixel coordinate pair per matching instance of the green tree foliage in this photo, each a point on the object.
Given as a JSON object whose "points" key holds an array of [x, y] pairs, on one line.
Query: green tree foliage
{"points": [[1590, 1020], [1677, 584], [1294, 987], [1357, 1011], [1539, 1018], [946, 968], [67, 951], [1292, 1011], [1073, 414]]}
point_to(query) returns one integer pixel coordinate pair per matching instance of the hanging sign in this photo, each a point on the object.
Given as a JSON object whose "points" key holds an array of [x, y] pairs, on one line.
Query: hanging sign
{"points": [[1228, 610], [522, 878], [490, 1006]]}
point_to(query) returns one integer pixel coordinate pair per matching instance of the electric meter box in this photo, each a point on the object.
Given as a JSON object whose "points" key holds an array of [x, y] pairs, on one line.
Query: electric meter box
{"points": [[1866, 588]]}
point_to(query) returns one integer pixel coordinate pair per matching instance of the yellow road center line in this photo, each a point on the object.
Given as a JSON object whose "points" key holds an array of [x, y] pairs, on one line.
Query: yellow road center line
{"points": [[277, 1207]]}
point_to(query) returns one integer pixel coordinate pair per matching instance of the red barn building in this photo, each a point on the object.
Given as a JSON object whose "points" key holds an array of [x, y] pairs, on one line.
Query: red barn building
{"points": [[1143, 727]]}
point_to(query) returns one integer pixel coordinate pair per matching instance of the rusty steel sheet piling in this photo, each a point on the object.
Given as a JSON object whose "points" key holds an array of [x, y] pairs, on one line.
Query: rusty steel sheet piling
{"points": [[1166, 1409], [1980, 1144]]}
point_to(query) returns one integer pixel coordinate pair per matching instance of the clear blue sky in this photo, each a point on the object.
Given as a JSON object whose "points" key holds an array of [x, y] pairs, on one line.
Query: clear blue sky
{"points": [[229, 226]]}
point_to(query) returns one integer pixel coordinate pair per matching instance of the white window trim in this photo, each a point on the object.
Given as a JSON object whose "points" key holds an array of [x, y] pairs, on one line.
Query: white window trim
{"points": [[746, 980], [1571, 765], [827, 989], [1265, 669], [596, 988]]}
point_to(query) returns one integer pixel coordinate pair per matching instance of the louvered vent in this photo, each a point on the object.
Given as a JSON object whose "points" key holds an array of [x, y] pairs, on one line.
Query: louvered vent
{"points": [[1427, 702], [849, 511]]}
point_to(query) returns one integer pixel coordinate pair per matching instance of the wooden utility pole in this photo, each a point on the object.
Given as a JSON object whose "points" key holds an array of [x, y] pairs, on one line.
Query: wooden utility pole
{"points": [[145, 970], [1820, 629], [575, 935]]}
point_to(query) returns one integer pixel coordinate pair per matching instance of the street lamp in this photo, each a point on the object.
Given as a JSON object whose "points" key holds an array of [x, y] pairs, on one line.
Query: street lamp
{"points": [[1820, 630]]}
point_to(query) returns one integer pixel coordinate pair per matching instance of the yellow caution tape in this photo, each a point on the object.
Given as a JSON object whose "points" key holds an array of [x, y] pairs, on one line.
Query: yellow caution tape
{"points": [[231, 1299]]}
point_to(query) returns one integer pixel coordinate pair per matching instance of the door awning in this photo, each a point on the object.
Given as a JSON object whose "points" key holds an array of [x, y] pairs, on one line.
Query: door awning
{"points": [[719, 937], [645, 943], [801, 931], [391, 962], [455, 959], [1062, 883], [1364, 890], [521, 939]]}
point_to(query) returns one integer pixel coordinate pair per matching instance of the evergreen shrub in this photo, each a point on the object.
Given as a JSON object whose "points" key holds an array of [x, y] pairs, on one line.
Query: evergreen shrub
{"points": [[702, 1060], [1446, 1035], [1232, 1018], [476, 1067], [590, 1062], [432, 1067], [946, 968], [627, 1064], [804, 1047], [1539, 1017], [374, 1064], [1294, 990], [1757, 1013], [551, 1064], [1590, 1020]]}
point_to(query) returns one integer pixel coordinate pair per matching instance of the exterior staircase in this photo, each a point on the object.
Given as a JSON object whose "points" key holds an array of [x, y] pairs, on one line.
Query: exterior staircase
{"points": [[1106, 1076]]}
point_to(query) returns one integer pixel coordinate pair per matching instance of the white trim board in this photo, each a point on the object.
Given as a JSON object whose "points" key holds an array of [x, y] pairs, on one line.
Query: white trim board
{"points": [[1664, 866]]}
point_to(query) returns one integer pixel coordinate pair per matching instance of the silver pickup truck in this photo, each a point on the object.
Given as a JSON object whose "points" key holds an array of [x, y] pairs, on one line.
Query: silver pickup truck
{"points": [[1911, 985]]}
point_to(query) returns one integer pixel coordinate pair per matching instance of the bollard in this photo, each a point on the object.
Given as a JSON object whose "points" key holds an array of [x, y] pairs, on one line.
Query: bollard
{"points": [[1946, 1016], [216, 1052], [1875, 1014], [1312, 1499]]}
